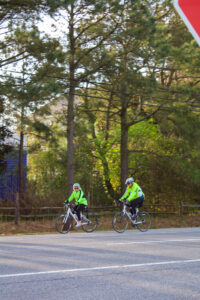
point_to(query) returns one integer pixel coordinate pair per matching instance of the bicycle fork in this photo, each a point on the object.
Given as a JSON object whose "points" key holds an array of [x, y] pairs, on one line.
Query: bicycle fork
{"points": [[66, 217]]}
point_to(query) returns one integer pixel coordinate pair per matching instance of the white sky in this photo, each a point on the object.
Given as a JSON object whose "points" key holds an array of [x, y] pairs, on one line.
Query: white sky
{"points": [[54, 27]]}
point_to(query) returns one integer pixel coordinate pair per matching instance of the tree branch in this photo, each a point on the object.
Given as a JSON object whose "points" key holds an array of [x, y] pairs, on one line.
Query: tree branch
{"points": [[150, 152]]}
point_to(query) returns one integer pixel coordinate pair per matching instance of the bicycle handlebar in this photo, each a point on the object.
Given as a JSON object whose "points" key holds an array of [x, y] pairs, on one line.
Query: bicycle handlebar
{"points": [[68, 204], [123, 201]]}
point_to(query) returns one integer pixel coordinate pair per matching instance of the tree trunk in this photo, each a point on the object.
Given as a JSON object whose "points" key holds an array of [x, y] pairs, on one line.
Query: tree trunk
{"points": [[20, 194], [70, 112], [70, 143], [17, 209], [21, 168], [124, 146]]}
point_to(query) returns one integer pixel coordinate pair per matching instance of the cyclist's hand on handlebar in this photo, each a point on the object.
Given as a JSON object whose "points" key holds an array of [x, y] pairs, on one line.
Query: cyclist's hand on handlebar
{"points": [[118, 202], [125, 202], [71, 204]]}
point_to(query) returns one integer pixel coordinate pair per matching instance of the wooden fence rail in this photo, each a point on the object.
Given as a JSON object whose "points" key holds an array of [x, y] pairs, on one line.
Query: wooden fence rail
{"points": [[9, 213]]}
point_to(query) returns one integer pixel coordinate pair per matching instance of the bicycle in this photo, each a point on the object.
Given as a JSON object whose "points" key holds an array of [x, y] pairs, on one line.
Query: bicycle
{"points": [[66, 220], [142, 221]]}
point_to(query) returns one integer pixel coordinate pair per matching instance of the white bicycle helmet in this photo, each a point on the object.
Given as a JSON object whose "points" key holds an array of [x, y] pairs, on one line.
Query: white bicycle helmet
{"points": [[129, 180], [77, 185]]}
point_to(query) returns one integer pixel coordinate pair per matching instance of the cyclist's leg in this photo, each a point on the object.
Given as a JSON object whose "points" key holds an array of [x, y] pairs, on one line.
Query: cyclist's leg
{"points": [[77, 212], [79, 208], [138, 202], [133, 204]]}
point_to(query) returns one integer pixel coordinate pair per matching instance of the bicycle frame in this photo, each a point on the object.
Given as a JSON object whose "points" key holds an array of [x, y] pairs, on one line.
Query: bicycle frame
{"points": [[74, 215], [142, 219], [129, 215], [69, 213]]}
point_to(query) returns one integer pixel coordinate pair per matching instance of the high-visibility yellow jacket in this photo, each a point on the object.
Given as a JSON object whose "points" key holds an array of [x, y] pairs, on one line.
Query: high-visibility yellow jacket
{"points": [[78, 196], [132, 192]]}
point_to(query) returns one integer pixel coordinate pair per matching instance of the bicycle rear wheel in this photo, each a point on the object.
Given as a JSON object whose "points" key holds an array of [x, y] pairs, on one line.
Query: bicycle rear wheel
{"points": [[63, 225], [120, 222], [90, 222], [143, 221]]}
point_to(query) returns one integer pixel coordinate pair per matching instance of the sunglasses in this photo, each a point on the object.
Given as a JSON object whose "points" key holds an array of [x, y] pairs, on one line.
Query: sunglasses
{"points": [[76, 188]]}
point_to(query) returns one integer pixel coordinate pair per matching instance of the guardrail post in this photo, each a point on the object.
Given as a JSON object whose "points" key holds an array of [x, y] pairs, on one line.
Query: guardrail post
{"points": [[181, 208], [88, 199]]}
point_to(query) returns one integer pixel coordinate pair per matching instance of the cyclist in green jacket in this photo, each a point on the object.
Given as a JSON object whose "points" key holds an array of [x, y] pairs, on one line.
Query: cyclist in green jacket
{"points": [[80, 201], [133, 195]]}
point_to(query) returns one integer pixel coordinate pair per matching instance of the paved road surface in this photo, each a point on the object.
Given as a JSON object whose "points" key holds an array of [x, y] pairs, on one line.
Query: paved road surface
{"points": [[159, 264]]}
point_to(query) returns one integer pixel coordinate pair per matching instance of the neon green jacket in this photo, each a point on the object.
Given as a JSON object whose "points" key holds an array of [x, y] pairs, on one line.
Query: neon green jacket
{"points": [[79, 197], [132, 193]]}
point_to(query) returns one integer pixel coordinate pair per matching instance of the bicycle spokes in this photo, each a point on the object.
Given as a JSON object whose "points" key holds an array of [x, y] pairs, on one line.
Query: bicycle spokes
{"points": [[89, 223], [143, 221], [120, 222], [63, 224]]}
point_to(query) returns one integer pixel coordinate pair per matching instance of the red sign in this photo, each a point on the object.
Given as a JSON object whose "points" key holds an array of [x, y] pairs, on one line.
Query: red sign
{"points": [[189, 10]]}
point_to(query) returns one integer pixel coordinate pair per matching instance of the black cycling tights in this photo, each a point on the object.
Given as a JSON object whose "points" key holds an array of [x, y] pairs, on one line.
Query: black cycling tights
{"points": [[78, 209], [136, 202]]}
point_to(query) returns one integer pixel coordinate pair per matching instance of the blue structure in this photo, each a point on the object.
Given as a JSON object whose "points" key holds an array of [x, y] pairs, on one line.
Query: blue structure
{"points": [[9, 178]]}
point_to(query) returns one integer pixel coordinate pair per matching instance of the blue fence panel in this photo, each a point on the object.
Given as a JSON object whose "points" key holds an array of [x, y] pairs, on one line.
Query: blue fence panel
{"points": [[9, 179]]}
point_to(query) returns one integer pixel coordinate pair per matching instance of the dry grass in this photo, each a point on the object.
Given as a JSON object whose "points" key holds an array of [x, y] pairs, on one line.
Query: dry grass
{"points": [[105, 223]]}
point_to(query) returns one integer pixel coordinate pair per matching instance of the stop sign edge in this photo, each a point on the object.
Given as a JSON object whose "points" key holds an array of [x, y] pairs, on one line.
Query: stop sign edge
{"points": [[186, 21]]}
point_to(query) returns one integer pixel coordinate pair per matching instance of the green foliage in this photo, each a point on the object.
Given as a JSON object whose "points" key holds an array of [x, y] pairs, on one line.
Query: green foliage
{"points": [[47, 173], [4, 147]]}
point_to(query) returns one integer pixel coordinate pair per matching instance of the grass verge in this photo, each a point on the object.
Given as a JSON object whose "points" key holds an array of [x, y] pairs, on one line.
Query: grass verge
{"points": [[104, 223]]}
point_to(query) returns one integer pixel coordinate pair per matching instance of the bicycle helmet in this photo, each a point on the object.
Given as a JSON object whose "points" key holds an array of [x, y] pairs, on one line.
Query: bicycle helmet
{"points": [[129, 180], [77, 185]]}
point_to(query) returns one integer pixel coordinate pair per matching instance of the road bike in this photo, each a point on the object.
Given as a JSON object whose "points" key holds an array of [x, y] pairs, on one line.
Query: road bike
{"points": [[67, 220], [142, 220]]}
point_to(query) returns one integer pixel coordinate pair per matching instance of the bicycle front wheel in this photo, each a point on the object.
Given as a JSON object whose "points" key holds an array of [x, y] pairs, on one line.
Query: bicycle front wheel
{"points": [[63, 224], [120, 222], [89, 222], [143, 221]]}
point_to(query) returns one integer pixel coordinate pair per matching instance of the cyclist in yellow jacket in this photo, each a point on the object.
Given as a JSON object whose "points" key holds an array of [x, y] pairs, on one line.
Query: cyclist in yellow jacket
{"points": [[80, 201], [133, 195]]}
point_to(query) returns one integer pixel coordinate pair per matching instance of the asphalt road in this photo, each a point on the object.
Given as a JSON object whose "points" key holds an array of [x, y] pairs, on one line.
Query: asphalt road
{"points": [[159, 264]]}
